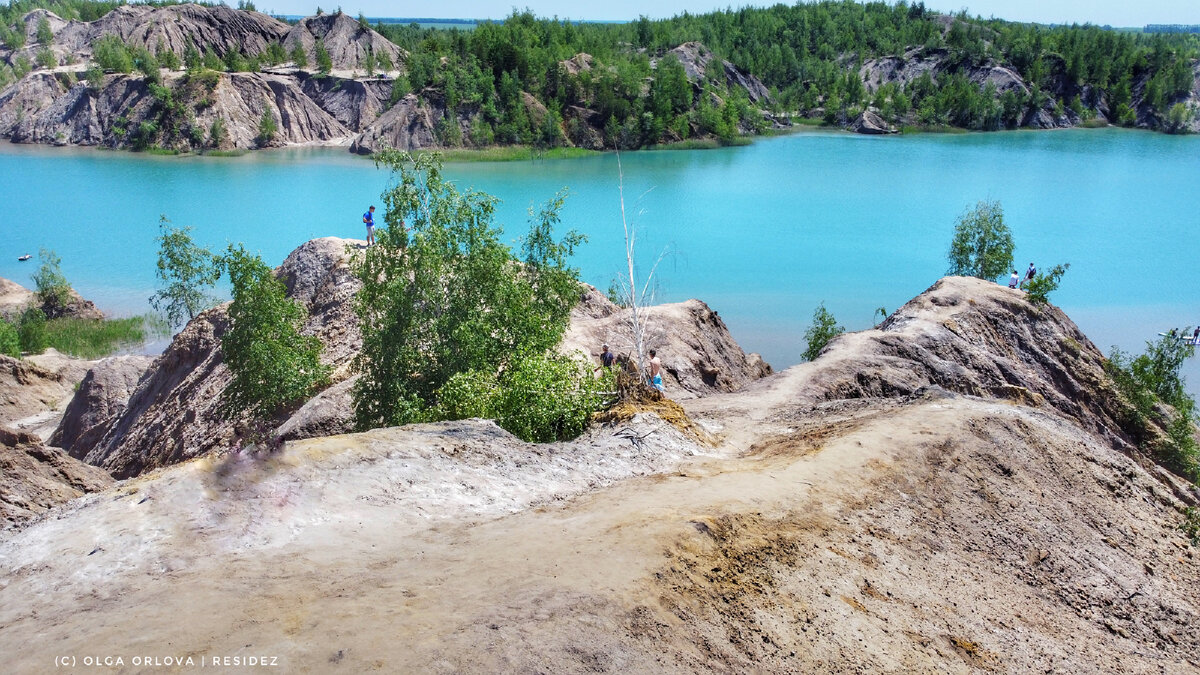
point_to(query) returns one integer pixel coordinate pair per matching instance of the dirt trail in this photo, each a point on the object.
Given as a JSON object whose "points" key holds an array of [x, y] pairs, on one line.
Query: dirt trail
{"points": [[926, 531]]}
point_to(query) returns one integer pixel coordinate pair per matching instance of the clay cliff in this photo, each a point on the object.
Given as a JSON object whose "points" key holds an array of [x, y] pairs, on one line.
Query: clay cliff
{"points": [[34, 478], [344, 107], [949, 492], [175, 412]]}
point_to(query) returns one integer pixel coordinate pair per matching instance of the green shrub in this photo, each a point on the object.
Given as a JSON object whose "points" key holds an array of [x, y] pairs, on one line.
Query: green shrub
{"points": [[982, 245], [1190, 527], [112, 54], [443, 294], [95, 77], [273, 365], [44, 35], [10, 339], [46, 58], [299, 58], [32, 331], [184, 272], [823, 329], [1145, 381], [550, 398], [266, 127], [1039, 288], [321, 54], [51, 286], [468, 394]]}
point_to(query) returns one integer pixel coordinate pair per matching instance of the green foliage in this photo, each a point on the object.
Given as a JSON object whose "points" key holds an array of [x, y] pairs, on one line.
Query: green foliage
{"points": [[10, 339], [275, 54], [1039, 288], [273, 365], [1190, 527], [539, 399], [13, 38], [217, 132], [321, 55], [46, 58], [166, 58], [823, 329], [982, 245], [550, 398], [32, 331], [266, 127], [49, 283], [442, 294], [94, 338], [112, 55], [21, 66], [95, 77], [1178, 117], [299, 58], [1152, 378], [184, 271]]}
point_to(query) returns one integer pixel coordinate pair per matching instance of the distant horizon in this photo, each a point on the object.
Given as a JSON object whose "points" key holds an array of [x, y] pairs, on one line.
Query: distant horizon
{"points": [[1115, 13]]}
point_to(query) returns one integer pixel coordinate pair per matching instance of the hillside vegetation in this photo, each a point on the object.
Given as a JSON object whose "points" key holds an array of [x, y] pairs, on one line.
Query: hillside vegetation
{"points": [[551, 82]]}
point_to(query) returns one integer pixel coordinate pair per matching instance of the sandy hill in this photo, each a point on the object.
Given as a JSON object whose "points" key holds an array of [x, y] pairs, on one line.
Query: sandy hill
{"points": [[949, 492]]}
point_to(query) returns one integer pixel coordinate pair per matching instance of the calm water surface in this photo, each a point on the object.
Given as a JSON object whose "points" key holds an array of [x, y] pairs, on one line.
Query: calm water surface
{"points": [[762, 233]]}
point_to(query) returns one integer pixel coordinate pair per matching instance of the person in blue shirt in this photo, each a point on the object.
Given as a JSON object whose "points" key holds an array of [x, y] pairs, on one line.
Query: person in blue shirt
{"points": [[369, 221]]}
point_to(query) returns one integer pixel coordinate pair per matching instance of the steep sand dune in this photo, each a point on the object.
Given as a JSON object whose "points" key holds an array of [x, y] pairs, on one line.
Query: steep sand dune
{"points": [[899, 526]]}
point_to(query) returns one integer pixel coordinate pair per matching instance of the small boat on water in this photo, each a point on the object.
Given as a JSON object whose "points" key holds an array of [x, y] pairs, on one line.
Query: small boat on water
{"points": [[25, 257]]}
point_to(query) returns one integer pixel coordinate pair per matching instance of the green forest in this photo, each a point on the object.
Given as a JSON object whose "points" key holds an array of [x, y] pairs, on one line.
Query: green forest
{"points": [[809, 56]]}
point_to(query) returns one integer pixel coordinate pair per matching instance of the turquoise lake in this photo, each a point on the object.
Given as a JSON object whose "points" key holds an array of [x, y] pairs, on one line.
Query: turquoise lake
{"points": [[763, 233]]}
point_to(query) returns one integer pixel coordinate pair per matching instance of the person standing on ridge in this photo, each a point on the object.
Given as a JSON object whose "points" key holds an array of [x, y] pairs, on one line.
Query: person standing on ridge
{"points": [[1013, 280], [656, 380], [1029, 274], [607, 359], [369, 221]]}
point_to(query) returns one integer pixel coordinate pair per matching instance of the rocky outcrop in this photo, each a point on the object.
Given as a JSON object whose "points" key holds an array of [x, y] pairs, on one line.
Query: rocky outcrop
{"points": [[408, 125], [34, 478], [329, 413], [698, 353], [100, 397], [41, 110], [990, 527], [696, 59], [14, 298], [868, 122], [177, 410], [347, 42], [36, 389], [175, 27], [981, 339], [353, 103]]}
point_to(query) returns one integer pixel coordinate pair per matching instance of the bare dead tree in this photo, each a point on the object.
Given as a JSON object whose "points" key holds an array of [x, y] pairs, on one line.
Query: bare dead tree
{"points": [[636, 298]]}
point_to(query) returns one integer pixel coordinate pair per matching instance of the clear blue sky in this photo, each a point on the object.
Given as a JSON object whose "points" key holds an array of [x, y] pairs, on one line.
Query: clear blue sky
{"points": [[1113, 12]]}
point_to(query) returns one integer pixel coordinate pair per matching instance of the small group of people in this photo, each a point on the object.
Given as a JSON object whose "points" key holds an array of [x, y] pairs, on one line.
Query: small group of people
{"points": [[1015, 282], [608, 359]]}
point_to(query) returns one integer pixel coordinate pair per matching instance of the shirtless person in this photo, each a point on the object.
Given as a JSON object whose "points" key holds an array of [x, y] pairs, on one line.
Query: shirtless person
{"points": [[656, 380]]}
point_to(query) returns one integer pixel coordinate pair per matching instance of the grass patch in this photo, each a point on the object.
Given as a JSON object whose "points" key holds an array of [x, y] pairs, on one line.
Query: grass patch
{"points": [[808, 121], [155, 150], [932, 129], [94, 338], [1094, 123], [703, 143], [512, 153], [225, 153]]}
